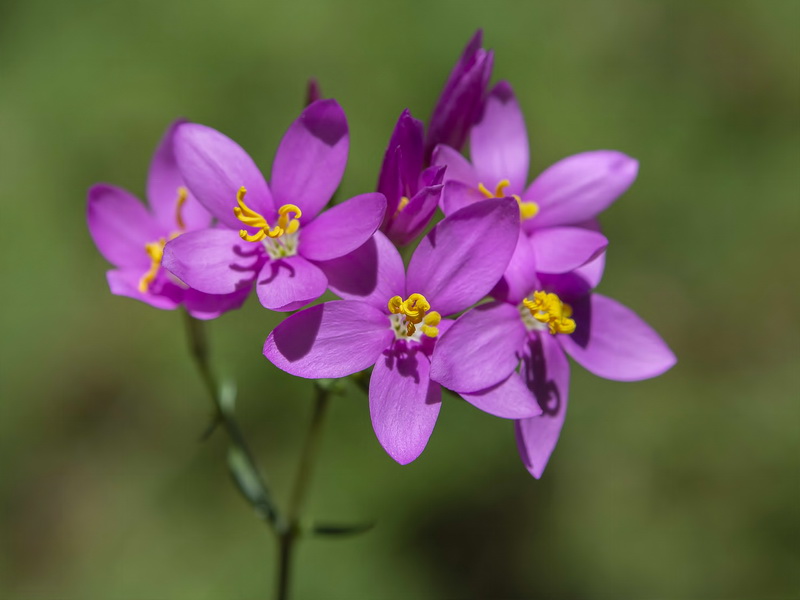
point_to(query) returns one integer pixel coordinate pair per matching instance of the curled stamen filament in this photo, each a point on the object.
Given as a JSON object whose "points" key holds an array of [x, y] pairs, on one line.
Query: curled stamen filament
{"points": [[183, 194], [288, 223], [527, 209], [155, 250]]}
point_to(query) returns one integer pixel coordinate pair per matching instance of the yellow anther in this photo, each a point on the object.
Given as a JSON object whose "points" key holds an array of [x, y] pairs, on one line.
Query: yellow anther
{"points": [[416, 310], [183, 194], [548, 308], [288, 216], [402, 204], [155, 250], [527, 209], [431, 320]]}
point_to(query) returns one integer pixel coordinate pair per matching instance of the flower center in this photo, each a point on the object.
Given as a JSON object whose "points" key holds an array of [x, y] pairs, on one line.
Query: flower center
{"points": [[410, 313], [548, 309], [155, 250], [279, 241], [527, 210]]}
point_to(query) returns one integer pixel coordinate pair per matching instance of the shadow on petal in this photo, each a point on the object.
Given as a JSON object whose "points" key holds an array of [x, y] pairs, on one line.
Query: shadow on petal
{"points": [[534, 372]]}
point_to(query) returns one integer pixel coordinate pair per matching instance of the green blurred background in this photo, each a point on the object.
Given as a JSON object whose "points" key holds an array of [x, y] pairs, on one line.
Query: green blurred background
{"points": [[686, 486]]}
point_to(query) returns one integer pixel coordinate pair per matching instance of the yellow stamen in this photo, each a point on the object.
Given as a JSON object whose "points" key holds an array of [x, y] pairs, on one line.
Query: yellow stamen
{"points": [[402, 204], [548, 308], [288, 222], [183, 194], [155, 250], [416, 310], [527, 209]]}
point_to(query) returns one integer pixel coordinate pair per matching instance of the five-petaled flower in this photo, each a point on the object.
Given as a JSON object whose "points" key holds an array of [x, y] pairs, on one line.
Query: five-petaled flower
{"points": [[272, 236], [573, 191], [392, 319], [132, 237], [516, 346]]}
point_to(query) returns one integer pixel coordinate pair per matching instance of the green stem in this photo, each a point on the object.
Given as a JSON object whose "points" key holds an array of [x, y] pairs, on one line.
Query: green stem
{"points": [[198, 346], [287, 539]]}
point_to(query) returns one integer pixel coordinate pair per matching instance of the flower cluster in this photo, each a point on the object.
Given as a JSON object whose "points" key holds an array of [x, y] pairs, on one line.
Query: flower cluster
{"points": [[491, 302]]}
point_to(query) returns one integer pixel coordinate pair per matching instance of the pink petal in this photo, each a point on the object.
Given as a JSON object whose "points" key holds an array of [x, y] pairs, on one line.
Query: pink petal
{"points": [[342, 228], [579, 187], [162, 293], [546, 371], [214, 168], [509, 399], [120, 226], [520, 277], [210, 306], [311, 158], [464, 256], [617, 344], [409, 223], [577, 283], [290, 283], [498, 143], [163, 183], [334, 339], [373, 273], [402, 162], [457, 195], [458, 167], [481, 348], [213, 261], [563, 249], [403, 402]]}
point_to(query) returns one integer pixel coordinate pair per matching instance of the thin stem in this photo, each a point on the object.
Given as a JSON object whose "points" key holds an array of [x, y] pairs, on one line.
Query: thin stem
{"points": [[198, 346], [287, 539]]}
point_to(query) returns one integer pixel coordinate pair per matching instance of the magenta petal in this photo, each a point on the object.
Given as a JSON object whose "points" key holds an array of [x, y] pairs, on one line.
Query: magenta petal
{"points": [[210, 306], [461, 99], [290, 283], [373, 273], [458, 167], [498, 143], [520, 277], [311, 158], [509, 399], [575, 284], [402, 162], [409, 222], [162, 294], [464, 256], [480, 349], [120, 226], [546, 371], [214, 167], [213, 261], [580, 187], [457, 195], [342, 228], [334, 339], [619, 344], [403, 402], [163, 184], [563, 249]]}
